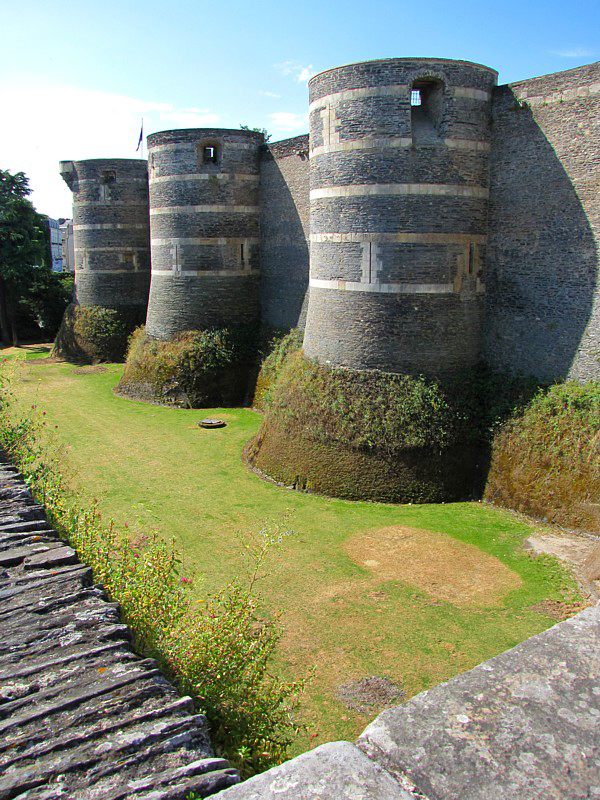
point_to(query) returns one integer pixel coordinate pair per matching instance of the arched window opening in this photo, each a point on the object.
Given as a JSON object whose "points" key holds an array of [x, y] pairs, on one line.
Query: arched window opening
{"points": [[426, 107]]}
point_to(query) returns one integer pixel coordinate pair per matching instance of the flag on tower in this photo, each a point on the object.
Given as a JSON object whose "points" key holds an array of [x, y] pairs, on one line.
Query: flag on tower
{"points": [[141, 137]]}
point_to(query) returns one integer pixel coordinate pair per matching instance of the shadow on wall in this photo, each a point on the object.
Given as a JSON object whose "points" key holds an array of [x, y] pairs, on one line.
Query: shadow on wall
{"points": [[542, 256], [284, 236]]}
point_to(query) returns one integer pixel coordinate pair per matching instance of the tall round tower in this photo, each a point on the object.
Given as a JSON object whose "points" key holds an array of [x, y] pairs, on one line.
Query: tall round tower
{"points": [[399, 193], [204, 220], [398, 220], [111, 231], [112, 256]]}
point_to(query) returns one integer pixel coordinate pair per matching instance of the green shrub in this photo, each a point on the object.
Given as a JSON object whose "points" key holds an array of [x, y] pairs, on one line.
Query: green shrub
{"points": [[363, 410], [94, 333], [546, 461], [217, 649]]}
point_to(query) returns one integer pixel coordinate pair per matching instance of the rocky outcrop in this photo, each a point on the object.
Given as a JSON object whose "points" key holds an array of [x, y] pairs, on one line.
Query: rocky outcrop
{"points": [[81, 715]]}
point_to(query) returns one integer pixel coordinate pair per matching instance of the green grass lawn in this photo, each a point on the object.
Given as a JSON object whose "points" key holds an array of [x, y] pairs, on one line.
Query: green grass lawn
{"points": [[457, 590]]}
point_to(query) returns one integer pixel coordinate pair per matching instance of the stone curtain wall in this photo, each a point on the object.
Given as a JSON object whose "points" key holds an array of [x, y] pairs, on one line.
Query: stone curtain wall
{"points": [[111, 231], [398, 214], [284, 233], [204, 219], [543, 303]]}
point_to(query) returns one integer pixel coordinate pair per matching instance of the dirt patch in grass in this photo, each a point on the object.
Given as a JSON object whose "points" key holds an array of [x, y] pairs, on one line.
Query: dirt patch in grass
{"points": [[445, 568], [371, 693], [92, 369], [558, 609]]}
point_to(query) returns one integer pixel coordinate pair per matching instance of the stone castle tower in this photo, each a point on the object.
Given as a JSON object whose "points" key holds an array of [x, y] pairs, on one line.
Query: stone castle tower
{"points": [[399, 186], [204, 222], [111, 230]]}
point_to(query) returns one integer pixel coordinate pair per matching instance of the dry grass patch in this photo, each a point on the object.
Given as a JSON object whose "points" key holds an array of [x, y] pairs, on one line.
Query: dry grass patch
{"points": [[445, 568]]}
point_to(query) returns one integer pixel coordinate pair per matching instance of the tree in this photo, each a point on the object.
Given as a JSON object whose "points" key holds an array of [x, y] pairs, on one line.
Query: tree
{"points": [[22, 248], [257, 130]]}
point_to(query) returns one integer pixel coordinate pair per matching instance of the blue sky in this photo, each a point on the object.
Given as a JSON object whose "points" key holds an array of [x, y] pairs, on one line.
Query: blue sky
{"points": [[76, 78]]}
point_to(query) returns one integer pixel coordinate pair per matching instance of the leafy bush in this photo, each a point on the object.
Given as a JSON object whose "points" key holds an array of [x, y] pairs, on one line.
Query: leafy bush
{"points": [[43, 304], [217, 649], [546, 461], [94, 333]]}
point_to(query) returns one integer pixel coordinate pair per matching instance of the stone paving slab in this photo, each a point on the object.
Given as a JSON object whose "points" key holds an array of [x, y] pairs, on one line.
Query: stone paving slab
{"points": [[524, 725], [82, 717], [335, 770]]}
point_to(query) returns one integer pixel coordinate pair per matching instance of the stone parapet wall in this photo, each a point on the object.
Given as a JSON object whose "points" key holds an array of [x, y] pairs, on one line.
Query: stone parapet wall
{"points": [[522, 725], [82, 715]]}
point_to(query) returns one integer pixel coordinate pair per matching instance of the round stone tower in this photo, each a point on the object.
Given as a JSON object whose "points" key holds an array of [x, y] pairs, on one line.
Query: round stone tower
{"points": [[398, 219], [111, 232], [204, 221], [399, 193]]}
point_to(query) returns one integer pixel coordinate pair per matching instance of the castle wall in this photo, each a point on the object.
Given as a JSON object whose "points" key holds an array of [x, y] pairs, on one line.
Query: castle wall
{"points": [[284, 232], [543, 302], [398, 214], [204, 220], [111, 231]]}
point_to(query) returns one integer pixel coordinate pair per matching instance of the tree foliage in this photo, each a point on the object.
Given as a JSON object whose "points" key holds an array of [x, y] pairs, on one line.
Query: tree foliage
{"points": [[30, 295]]}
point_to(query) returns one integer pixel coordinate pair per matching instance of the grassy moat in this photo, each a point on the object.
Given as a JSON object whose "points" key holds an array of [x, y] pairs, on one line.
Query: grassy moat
{"points": [[413, 593]]}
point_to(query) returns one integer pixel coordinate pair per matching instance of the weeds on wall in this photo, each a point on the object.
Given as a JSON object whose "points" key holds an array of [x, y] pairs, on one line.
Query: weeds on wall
{"points": [[279, 345], [218, 649]]}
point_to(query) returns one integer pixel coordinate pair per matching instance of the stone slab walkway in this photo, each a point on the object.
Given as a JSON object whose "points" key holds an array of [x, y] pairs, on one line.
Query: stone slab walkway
{"points": [[82, 717]]}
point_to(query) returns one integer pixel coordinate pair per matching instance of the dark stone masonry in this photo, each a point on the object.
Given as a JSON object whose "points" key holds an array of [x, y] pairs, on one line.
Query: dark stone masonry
{"points": [[439, 220], [81, 715], [204, 221], [112, 231]]}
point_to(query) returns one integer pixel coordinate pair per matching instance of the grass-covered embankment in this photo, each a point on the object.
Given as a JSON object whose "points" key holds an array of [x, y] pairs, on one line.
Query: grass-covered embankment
{"points": [[372, 435], [193, 369], [546, 461], [359, 584]]}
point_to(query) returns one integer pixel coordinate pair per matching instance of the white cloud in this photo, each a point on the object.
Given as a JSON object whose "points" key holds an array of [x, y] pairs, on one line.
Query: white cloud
{"points": [[575, 52], [298, 71], [287, 122], [46, 124], [305, 74], [270, 94], [190, 117]]}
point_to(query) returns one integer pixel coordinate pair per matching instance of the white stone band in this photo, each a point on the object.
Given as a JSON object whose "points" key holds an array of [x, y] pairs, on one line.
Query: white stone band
{"points": [[401, 238], [387, 189]]}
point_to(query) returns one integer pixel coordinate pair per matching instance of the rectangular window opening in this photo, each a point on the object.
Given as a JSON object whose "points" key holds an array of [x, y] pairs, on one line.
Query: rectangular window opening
{"points": [[415, 97], [209, 154]]}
